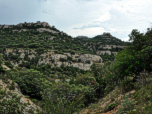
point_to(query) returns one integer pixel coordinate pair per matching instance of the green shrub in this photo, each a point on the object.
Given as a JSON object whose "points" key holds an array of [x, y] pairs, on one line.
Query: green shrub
{"points": [[72, 81], [12, 106], [53, 76], [9, 92], [108, 89], [127, 85], [126, 106], [53, 72], [12, 87], [111, 106], [8, 64], [31, 82]]}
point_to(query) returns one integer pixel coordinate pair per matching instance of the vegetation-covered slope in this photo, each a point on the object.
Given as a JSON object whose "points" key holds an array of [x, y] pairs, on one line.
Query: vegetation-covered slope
{"points": [[88, 86]]}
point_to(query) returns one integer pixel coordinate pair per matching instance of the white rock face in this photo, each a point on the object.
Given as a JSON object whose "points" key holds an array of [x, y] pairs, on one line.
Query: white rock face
{"points": [[50, 54], [44, 29], [5, 67]]}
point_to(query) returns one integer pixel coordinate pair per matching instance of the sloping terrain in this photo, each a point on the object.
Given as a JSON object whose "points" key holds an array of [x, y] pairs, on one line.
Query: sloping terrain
{"points": [[8, 94], [93, 74], [107, 105]]}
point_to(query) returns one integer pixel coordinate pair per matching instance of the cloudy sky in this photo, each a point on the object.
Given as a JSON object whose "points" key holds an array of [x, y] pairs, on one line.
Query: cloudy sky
{"points": [[81, 17]]}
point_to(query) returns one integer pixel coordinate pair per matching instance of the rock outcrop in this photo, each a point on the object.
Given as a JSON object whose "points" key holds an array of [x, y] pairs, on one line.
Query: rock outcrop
{"points": [[50, 55]]}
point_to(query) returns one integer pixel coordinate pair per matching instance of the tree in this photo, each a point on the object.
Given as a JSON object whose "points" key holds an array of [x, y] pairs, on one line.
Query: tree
{"points": [[142, 44], [99, 80], [62, 59], [55, 66], [125, 61], [2, 70], [72, 81], [93, 67], [62, 65], [138, 40], [135, 58], [79, 60], [99, 60]]}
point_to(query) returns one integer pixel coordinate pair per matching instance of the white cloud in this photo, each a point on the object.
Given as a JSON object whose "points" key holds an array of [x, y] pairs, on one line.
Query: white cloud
{"points": [[81, 17]]}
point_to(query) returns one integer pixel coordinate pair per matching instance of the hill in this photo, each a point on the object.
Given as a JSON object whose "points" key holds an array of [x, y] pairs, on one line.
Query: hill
{"points": [[81, 37], [50, 62]]}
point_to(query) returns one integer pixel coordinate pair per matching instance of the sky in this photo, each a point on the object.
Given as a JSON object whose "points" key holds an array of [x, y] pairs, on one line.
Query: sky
{"points": [[81, 17]]}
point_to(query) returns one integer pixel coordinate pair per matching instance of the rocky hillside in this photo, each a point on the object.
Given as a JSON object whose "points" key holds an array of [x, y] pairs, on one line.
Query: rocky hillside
{"points": [[53, 53], [116, 101], [10, 91], [50, 54], [57, 44], [38, 44]]}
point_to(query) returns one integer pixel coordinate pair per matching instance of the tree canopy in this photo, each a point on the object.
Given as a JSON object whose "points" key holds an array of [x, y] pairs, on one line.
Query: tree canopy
{"points": [[134, 58]]}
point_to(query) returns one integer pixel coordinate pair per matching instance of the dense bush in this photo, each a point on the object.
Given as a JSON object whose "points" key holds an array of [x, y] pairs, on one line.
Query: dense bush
{"points": [[127, 85], [127, 105], [8, 64], [2, 70], [30, 81], [84, 85]]}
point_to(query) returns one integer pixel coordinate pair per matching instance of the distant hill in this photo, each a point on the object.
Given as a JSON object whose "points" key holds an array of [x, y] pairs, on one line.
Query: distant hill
{"points": [[105, 37], [82, 37]]}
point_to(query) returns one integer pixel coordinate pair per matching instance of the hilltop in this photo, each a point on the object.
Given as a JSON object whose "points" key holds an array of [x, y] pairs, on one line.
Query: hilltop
{"points": [[33, 36]]}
